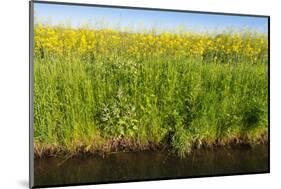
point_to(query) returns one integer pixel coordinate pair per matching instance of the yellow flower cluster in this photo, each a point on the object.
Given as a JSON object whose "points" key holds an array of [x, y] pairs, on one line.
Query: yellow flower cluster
{"points": [[228, 47]]}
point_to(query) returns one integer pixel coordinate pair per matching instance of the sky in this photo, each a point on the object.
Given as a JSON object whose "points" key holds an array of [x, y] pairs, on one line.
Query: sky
{"points": [[135, 19]]}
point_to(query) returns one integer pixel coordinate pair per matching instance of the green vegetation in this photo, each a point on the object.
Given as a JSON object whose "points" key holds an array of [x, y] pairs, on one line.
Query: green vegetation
{"points": [[98, 103]]}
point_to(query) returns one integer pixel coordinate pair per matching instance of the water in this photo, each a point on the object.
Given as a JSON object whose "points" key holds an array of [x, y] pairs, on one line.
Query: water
{"points": [[131, 166]]}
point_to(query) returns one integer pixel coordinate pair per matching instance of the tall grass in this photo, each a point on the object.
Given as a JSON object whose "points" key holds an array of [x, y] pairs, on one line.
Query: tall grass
{"points": [[106, 99]]}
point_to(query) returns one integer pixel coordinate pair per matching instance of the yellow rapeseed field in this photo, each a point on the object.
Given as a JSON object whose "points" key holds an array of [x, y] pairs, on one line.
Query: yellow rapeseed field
{"points": [[228, 47]]}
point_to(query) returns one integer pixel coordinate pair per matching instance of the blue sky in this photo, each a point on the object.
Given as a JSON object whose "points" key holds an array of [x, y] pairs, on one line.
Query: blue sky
{"points": [[145, 19]]}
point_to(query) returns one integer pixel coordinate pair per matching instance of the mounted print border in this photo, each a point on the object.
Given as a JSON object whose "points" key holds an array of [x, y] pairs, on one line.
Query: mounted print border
{"points": [[110, 103]]}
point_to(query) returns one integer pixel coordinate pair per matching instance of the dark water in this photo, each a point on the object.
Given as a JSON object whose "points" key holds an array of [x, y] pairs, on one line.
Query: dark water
{"points": [[131, 166]]}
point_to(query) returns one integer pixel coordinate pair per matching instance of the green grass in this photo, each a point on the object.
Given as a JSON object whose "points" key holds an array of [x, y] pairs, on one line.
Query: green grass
{"points": [[104, 105]]}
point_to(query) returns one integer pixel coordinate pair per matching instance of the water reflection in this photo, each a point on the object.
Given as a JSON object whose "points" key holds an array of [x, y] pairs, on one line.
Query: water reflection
{"points": [[150, 165]]}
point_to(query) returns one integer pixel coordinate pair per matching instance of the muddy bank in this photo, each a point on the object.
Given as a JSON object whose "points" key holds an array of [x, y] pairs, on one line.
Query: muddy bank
{"points": [[127, 145]]}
